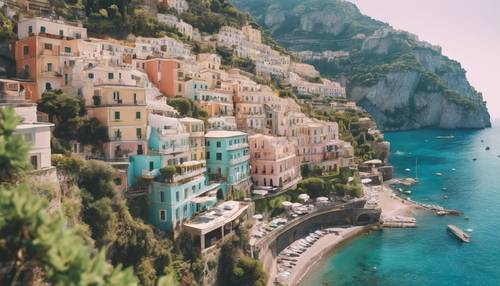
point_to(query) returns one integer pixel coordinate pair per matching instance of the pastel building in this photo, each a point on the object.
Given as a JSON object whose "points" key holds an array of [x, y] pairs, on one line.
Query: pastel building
{"points": [[34, 133], [47, 61], [274, 162], [28, 27], [122, 109], [169, 138], [228, 158], [167, 75], [196, 130], [222, 123]]}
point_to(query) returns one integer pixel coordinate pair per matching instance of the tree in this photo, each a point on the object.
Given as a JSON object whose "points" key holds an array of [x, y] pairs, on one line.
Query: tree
{"points": [[92, 132], [315, 187], [168, 172], [30, 239], [60, 106], [13, 149]]}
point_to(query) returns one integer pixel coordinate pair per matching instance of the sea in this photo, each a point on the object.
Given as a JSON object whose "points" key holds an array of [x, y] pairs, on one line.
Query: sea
{"points": [[429, 255]]}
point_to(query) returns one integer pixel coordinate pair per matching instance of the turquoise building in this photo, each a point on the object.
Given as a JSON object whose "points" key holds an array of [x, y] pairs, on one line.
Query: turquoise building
{"points": [[178, 196], [227, 157]]}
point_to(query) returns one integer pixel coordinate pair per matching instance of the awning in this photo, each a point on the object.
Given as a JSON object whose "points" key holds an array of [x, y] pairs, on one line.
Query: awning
{"points": [[260, 192]]}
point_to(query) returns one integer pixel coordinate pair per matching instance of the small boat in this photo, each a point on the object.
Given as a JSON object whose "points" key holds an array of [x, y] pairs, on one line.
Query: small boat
{"points": [[487, 148], [445, 197], [445, 137], [474, 159], [439, 174], [466, 218], [408, 170], [444, 189], [407, 192], [453, 169], [458, 233], [441, 213]]}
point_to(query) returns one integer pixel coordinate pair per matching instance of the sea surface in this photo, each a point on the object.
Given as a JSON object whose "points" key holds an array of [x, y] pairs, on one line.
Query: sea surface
{"points": [[428, 255]]}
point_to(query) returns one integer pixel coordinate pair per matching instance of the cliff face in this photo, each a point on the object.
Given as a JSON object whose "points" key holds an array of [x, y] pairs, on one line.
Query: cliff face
{"points": [[403, 82]]}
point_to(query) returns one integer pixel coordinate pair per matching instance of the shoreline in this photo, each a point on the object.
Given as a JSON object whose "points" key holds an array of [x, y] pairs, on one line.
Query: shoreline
{"points": [[319, 257], [391, 205]]}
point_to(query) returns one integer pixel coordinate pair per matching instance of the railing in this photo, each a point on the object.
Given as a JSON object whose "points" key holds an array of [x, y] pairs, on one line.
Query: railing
{"points": [[239, 160], [190, 174], [237, 146]]}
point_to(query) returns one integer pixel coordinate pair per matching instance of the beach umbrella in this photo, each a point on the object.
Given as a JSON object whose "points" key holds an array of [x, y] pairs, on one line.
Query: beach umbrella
{"points": [[286, 204], [366, 181], [304, 197], [322, 199], [350, 179], [258, 217], [296, 205]]}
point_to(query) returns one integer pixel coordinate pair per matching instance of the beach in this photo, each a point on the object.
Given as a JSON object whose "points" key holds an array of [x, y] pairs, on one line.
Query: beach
{"points": [[390, 204]]}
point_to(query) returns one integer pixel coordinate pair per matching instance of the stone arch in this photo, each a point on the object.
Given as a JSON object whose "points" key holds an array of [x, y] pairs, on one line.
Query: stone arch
{"points": [[363, 219]]}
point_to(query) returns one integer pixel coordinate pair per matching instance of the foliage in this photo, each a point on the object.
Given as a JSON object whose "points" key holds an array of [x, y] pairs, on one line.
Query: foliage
{"points": [[210, 16], [13, 150], [237, 268], [6, 27], [92, 132], [168, 172], [187, 107], [30, 238], [130, 241], [314, 187]]}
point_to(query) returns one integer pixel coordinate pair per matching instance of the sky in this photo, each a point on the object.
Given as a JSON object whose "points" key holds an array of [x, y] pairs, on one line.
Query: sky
{"points": [[467, 30]]}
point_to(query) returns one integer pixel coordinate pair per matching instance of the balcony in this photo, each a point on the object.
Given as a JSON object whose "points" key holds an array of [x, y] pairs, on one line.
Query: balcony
{"points": [[237, 146], [175, 149], [239, 160], [189, 174]]}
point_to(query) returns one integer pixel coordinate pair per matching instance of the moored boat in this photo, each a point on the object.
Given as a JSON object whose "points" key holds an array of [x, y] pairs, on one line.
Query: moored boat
{"points": [[459, 233]]}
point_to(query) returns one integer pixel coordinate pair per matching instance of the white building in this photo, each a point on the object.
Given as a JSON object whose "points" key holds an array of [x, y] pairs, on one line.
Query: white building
{"points": [[37, 25]]}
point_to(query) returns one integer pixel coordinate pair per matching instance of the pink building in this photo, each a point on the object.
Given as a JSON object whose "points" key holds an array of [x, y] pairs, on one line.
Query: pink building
{"points": [[167, 75], [273, 162]]}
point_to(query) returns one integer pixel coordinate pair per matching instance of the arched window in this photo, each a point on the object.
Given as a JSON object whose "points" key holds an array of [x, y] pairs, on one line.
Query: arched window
{"points": [[48, 86]]}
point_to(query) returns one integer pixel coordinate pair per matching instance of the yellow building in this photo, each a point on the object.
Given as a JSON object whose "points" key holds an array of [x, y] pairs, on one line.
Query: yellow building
{"points": [[196, 130], [122, 109]]}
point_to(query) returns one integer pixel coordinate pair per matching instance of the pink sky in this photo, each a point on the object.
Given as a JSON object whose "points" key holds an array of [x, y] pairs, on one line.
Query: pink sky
{"points": [[467, 30]]}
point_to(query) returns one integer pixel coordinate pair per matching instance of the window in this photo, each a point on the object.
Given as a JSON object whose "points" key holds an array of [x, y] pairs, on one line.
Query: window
{"points": [[180, 87], [117, 115], [162, 197], [47, 46], [218, 144], [163, 215], [177, 198], [34, 161], [30, 29], [186, 193], [49, 67], [110, 75], [208, 143], [48, 86], [26, 50], [138, 132], [208, 155], [67, 50], [66, 79], [151, 165], [91, 75], [61, 33], [137, 115], [42, 29], [219, 156]]}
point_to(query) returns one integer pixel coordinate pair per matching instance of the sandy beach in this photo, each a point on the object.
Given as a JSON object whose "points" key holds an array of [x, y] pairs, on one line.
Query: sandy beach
{"points": [[390, 204]]}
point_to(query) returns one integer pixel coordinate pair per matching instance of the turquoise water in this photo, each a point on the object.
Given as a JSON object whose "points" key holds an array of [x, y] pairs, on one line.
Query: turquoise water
{"points": [[428, 255]]}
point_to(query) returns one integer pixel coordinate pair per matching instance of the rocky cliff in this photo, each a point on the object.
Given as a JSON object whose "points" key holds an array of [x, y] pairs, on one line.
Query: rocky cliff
{"points": [[403, 82]]}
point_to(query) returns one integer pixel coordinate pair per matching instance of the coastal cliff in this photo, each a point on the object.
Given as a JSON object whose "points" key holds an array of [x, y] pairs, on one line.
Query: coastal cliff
{"points": [[405, 83]]}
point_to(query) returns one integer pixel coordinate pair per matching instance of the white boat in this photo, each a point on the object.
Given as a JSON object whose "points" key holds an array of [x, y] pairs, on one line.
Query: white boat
{"points": [[439, 174], [408, 170]]}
